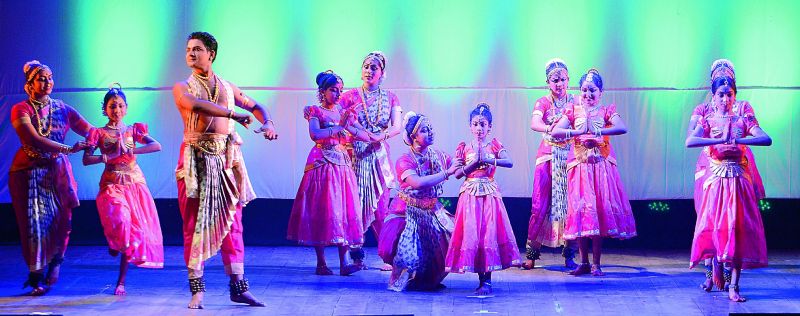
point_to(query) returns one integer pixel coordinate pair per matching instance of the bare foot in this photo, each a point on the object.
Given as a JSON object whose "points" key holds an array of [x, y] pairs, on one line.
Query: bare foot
{"points": [[247, 298], [570, 263], [113, 252], [349, 269], [398, 280], [120, 290], [707, 285], [528, 264], [52, 274], [197, 301], [733, 294], [485, 288], [323, 270], [360, 264], [37, 291], [386, 267], [596, 271], [582, 269]]}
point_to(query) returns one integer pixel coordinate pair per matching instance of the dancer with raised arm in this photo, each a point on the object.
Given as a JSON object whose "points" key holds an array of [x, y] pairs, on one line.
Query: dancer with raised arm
{"points": [[213, 185]]}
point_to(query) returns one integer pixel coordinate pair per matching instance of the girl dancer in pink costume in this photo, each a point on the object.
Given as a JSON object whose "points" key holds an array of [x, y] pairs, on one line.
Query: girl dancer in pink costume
{"points": [[127, 210], [378, 111], [728, 228], [418, 228], [597, 204], [327, 209], [482, 241], [549, 198], [741, 108], [40, 182]]}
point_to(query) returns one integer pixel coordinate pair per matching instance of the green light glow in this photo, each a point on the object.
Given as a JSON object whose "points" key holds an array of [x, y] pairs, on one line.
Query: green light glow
{"points": [[667, 43], [120, 41], [114, 44], [450, 42], [542, 30], [338, 34], [254, 38]]}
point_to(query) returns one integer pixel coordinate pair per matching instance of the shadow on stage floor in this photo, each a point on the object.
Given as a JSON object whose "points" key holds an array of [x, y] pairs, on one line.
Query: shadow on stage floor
{"points": [[637, 282]]}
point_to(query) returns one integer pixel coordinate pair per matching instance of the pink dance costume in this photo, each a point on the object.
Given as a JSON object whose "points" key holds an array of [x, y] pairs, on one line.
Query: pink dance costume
{"points": [[729, 226], [417, 230], [549, 198], [372, 163], [327, 208], [704, 110], [482, 240], [42, 188], [597, 203], [126, 207]]}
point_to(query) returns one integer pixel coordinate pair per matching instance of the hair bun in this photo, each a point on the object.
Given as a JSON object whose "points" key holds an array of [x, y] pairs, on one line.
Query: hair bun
{"points": [[408, 116], [28, 65]]}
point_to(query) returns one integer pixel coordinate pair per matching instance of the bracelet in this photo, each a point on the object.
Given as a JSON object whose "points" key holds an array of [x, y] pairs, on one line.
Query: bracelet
{"points": [[569, 134], [104, 157], [495, 162], [385, 136], [446, 176], [65, 149], [330, 132], [269, 121], [230, 114]]}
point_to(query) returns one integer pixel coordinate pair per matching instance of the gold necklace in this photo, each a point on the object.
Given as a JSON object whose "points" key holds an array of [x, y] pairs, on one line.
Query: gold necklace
{"points": [[38, 106], [380, 106], [211, 97]]}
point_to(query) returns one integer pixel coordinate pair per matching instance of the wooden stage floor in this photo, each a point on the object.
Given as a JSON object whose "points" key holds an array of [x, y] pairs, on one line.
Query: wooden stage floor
{"points": [[638, 282]]}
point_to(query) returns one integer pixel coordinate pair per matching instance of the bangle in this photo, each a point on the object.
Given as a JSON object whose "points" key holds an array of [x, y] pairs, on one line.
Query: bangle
{"points": [[230, 114], [269, 121], [385, 136], [65, 149], [104, 157], [446, 176], [330, 132], [569, 134], [495, 162]]}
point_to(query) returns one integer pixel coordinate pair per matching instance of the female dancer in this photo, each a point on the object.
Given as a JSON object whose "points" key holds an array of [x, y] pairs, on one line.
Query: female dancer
{"points": [[42, 188], [549, 207], [326, 210], [378, 111], [741, 108], [728, 228], [418, 228], [127, 210], [597, 204], [482, 241]]}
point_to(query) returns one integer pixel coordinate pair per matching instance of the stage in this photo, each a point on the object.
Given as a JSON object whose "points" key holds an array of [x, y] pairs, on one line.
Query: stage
{"points": [[638, 282]]}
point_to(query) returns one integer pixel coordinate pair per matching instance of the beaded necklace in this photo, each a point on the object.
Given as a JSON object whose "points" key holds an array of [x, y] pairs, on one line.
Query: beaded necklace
{"points": [[380, 106], [211, 97], [42, 129]]}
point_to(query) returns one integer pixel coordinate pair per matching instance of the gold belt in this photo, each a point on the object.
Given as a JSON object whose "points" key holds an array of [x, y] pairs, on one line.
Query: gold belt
{"points": [[32, 152], [423, 203]]}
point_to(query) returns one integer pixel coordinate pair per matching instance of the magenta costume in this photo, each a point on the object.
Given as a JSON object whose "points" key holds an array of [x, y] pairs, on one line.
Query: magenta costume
{"points": [[704, 110], [372, 163], [549, 198], [482, 240], [327, 208], [417, 230], [729, 226], [42, 188], [597, 202], [126, 207]]}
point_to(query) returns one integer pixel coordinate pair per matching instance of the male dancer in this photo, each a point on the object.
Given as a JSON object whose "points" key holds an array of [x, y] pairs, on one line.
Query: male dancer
{"points": [[213, 185]]}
